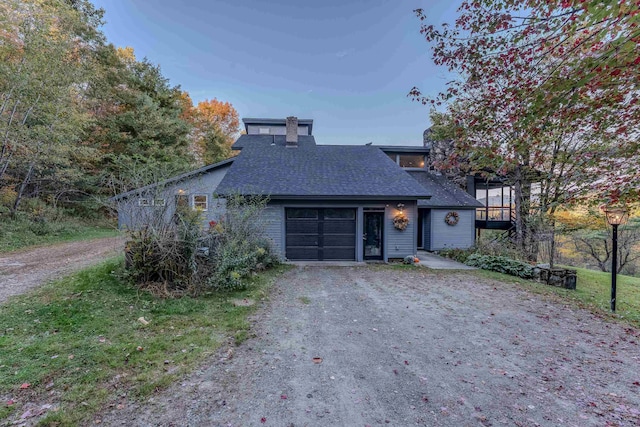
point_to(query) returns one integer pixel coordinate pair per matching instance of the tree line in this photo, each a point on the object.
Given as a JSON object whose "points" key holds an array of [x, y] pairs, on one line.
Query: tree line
{"points": [[82, 119]]}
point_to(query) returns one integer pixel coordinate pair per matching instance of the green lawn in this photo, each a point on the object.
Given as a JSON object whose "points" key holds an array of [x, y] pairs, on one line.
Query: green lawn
{"points": [[80, 339], [594, 292], [21, 233]]}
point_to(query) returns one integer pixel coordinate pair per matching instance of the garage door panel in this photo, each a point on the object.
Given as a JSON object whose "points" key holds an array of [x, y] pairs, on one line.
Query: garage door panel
{"points": [[298, 253], [339, 253], [302, 227], [338, 240], [302, 240], [340, 227], [320, 233]]}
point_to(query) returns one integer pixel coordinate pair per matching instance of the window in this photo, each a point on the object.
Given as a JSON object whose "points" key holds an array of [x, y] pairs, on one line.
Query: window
{"points": [[392, 156], [144, 202], [339, 214], [302, 214], [411, 161], [200, 202], [263, 131], [159, 202], [182, 201]]}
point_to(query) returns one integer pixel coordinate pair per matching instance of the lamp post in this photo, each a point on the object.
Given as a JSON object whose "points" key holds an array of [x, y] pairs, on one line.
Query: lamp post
{"points": [[615, 217]]}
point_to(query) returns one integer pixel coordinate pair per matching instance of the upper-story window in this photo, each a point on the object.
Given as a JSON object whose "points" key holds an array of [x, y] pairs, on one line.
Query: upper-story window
{"points": [[263, 131], [407, 160], [411, 161]]}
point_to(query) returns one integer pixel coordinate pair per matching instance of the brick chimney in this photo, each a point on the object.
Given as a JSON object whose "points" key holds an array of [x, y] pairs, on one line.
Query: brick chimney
{"points": [[292, 132]]}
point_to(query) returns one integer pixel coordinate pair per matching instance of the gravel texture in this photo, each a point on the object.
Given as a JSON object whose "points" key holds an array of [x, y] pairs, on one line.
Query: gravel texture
{"points": [[407, 347], [26, 269]]}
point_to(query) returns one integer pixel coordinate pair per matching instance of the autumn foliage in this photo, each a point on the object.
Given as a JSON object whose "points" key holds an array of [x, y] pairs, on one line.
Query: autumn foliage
{"points": [[216, 126], [545, 88]]}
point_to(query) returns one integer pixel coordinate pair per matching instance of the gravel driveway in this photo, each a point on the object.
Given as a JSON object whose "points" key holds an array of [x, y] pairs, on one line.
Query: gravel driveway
{"points": [[408, 347], [25, 269]]}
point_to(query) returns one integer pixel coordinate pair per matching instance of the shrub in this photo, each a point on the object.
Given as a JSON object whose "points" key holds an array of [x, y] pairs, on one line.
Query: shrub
{"points": [[501, 264], [179, 257], [241, 247], [167, 255], [460, 255]]}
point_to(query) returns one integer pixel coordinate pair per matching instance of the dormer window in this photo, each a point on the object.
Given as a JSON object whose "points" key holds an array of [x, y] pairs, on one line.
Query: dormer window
{"points": [[411, 161]]}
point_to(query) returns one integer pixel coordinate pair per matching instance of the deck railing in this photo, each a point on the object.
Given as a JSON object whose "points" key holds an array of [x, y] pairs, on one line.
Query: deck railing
{"points": [[494, 213]]}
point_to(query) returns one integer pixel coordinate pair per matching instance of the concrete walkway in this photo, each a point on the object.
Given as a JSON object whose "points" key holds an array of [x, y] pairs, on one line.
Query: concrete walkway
{"points": [[437, 262]]}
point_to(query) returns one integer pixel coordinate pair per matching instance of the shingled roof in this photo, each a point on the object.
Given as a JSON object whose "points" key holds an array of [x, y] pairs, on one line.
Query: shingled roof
{"points": [[445, 194], [317, 172]]}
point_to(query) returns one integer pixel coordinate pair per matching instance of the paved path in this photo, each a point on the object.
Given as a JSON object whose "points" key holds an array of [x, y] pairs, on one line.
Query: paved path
{"points": [[436, 262], [377, 346], [26, 269]]}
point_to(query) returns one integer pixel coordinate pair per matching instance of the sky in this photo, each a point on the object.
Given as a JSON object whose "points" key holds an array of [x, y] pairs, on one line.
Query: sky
{"points": [[346, 64]]}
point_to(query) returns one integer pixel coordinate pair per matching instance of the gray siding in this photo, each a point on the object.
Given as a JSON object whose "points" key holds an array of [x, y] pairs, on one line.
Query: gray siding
{"points": [[399, 244], [461, 235], [273, 221], [132, 216]]}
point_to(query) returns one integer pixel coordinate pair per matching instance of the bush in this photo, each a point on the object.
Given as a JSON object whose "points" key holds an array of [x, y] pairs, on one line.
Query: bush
{"points": [[167, 255], [501, 264], [241, 246], [179, 257], [460, 255]]}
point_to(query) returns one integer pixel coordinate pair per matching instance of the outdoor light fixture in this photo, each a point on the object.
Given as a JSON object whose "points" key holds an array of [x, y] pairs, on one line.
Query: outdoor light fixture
{"points": [[401, 207], [616, 215]]}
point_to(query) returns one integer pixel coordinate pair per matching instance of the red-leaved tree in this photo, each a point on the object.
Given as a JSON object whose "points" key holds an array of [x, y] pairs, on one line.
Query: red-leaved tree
{"points": [[545, 93]]}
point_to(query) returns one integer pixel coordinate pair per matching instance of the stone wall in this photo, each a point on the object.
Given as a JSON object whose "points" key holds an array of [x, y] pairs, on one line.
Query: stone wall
{"points": [[560, 277]]}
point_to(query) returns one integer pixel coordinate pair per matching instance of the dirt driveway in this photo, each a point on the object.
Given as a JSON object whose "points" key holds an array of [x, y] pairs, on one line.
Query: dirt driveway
{"points": [[408, 347], [25, 269]]}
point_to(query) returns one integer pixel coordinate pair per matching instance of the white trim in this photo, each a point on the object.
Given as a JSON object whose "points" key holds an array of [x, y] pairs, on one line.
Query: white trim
{"points": [[144, 202]]}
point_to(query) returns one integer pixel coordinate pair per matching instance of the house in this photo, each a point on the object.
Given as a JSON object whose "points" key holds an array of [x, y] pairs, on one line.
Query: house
{"points": [[326, 202]]}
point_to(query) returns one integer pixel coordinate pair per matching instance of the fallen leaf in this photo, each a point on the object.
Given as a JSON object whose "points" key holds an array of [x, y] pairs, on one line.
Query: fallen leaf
{"points": [[406, 362], [139, 348], [317, 360], [395, 371], [25, 385], [283, 396], [71, 356], [263, 420], [143, 320], [10, 402]]}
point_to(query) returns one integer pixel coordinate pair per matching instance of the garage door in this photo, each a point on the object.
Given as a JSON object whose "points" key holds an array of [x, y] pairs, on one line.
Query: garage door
{"points": [[321, 234]]}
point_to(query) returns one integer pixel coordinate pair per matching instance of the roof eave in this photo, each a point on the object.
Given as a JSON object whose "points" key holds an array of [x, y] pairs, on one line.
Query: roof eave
{"points": [[172, 180]]}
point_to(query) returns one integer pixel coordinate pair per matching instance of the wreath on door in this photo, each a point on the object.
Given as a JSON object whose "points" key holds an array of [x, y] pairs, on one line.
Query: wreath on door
{"points": [[452, 218]]}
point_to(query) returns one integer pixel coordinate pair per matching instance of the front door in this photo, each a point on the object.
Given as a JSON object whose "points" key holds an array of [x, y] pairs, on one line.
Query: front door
{"points": [[372, 236]]}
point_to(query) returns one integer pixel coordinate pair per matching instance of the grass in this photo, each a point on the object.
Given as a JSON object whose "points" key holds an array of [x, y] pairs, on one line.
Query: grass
{"points": [[80, 339], [20, 233], [593, 291], [305, 300]]}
